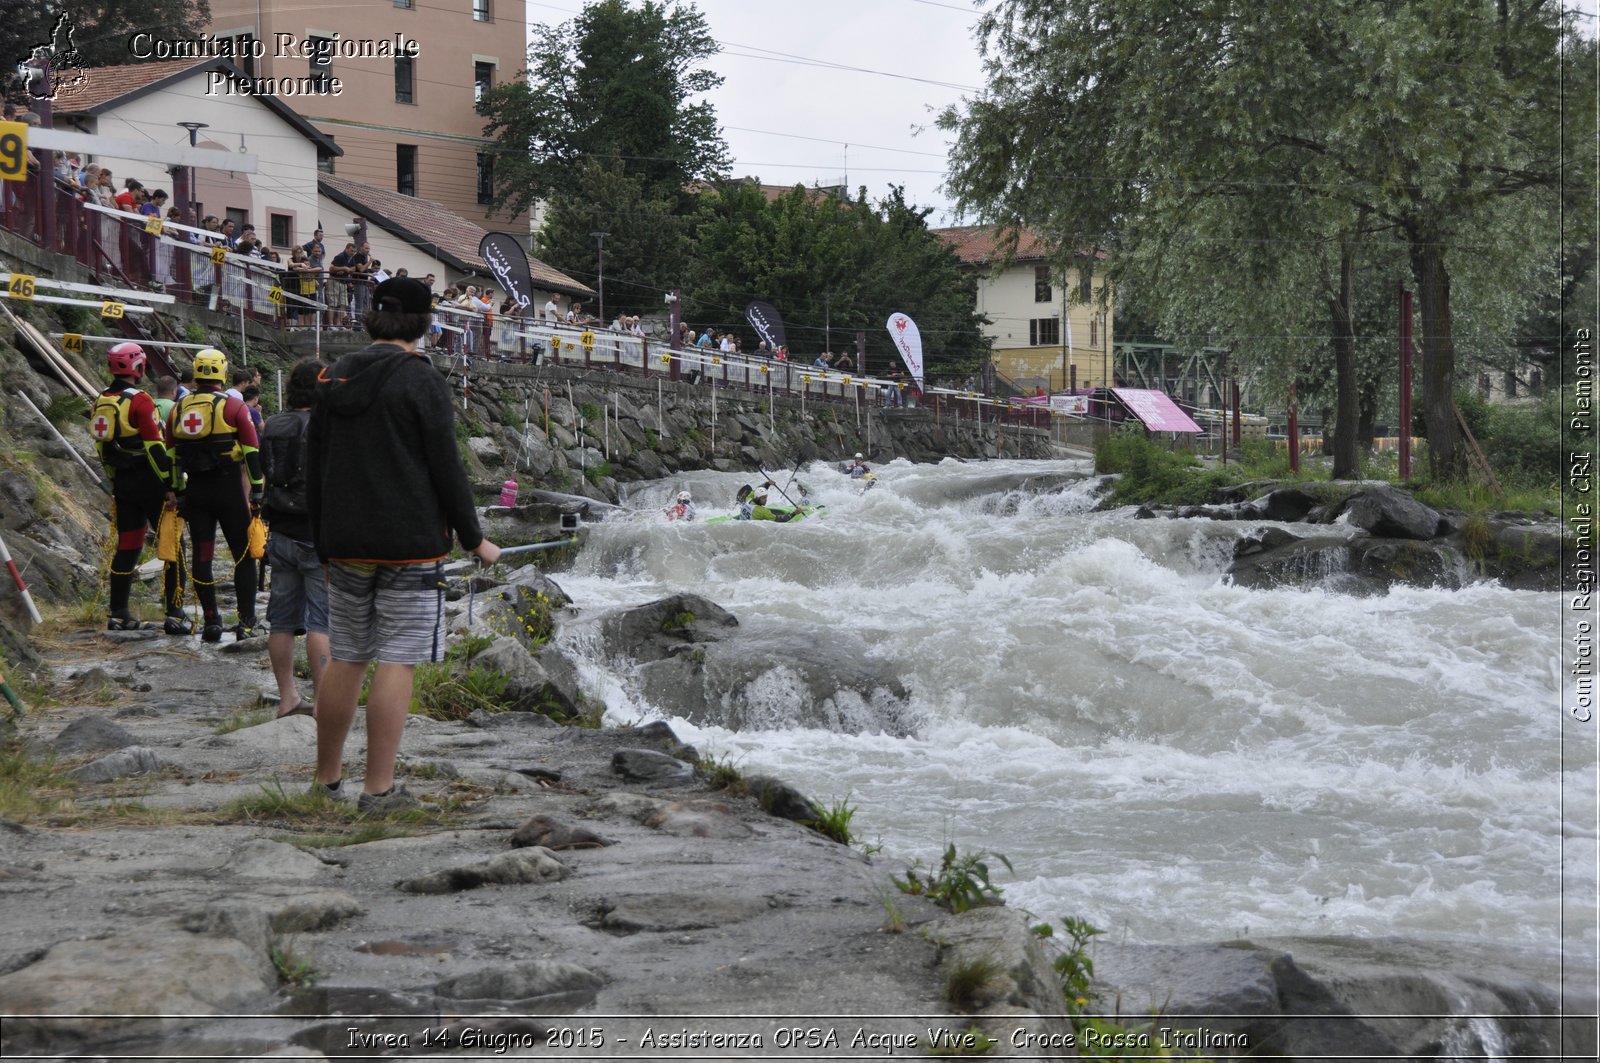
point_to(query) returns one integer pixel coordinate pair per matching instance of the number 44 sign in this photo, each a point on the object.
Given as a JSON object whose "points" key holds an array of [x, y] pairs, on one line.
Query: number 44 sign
{"points": [[13, 151]]}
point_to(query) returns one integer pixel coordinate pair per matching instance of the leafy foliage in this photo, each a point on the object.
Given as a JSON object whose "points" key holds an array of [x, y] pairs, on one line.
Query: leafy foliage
{"points": [[1152, 473], [1251, 166], [101, 29], [833, 266], [613, 84], [960, 884]]}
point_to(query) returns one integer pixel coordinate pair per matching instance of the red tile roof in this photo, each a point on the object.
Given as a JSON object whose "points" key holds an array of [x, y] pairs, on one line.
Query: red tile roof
{"points": [[431, 227], [101, 84], [977, 244]]}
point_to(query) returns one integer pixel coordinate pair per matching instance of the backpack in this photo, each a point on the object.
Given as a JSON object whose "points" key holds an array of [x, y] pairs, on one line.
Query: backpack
{"points": [[283, 453]]}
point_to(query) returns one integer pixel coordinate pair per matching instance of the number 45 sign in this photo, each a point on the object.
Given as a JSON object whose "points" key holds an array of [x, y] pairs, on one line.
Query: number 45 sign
{"points": [[13, 151]]}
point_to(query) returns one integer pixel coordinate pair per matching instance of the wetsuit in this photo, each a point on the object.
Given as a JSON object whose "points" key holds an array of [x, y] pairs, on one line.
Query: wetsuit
{"points": [[213, 434], [127, 433]]}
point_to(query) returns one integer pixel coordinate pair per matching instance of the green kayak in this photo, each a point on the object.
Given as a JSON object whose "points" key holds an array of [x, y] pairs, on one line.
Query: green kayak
{"points": [[783, 514]]}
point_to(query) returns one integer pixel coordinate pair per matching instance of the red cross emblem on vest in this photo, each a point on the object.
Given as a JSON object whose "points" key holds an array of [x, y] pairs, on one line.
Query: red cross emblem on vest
{"points": [[101, 427], [192, 423]]}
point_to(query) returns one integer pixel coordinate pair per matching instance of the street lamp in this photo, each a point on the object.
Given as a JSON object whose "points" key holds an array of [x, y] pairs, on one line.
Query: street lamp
{"points": [[186, 175], [602, 275]]}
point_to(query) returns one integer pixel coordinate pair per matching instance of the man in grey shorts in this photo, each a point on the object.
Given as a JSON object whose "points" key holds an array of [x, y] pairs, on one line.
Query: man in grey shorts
{"points": [[387, 491]]}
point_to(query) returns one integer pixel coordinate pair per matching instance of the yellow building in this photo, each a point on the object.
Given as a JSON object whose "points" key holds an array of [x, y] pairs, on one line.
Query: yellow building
{"points": [[1050, 326]]}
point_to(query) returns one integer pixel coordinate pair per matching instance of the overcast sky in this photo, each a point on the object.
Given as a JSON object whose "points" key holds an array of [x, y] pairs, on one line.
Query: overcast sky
{"points": [[789, 108]]}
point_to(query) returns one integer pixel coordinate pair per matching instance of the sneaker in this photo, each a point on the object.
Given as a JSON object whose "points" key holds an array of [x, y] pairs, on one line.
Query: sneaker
{"points": [[178, 624], [246, 629], [123, 621], [396, 799], [334, 792], [212, 632]]}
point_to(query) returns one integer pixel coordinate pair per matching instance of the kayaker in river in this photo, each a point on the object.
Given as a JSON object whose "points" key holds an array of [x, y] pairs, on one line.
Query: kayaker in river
{"points": [[682, 509], [754, 507]]}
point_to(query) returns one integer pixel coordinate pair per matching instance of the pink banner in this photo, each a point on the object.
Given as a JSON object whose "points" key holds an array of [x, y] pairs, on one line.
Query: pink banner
{"points": [[1159, 413]]}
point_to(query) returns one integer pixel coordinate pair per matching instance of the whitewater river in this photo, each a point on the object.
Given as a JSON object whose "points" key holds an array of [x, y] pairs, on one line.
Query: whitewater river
{"points": [[1173, 758]]}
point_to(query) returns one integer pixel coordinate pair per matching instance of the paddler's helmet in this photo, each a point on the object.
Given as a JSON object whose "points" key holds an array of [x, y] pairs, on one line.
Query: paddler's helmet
{"points": [[211, 364], [759, 497], [126, 359], [683, 496], [859, 456]]}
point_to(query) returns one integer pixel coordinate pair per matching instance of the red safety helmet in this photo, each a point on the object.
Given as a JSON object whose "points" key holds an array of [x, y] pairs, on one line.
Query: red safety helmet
{"points": [[126, 359]]}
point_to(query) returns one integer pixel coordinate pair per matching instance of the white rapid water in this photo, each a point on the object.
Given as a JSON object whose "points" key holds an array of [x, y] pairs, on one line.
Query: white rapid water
{"points": [[1171, 757]]}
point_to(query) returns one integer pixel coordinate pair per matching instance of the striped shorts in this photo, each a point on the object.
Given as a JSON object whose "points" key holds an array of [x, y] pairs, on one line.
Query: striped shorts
{"points": [[391, 613]]}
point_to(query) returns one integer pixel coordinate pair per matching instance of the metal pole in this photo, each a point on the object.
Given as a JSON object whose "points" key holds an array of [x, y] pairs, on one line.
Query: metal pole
{"points": [[105, 485], [1405, 383], [16, 577], [601, 237]]}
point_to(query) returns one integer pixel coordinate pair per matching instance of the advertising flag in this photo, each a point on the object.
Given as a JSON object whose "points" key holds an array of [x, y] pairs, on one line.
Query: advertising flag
{"points": [[509, 264], [764, 318], [908, 341]]}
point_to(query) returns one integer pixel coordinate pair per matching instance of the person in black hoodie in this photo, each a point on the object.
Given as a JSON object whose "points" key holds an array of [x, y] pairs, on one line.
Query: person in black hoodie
{"points": [[386, 493]]}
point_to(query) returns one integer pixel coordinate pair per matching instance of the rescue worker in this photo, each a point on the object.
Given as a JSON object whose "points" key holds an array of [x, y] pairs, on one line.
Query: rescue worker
{"points": [[213, 436], [127, 433], [682, 509]]}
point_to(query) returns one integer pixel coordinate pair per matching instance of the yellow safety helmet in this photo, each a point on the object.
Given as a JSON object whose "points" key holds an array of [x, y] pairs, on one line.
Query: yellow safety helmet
{"points": [[211, 364]]}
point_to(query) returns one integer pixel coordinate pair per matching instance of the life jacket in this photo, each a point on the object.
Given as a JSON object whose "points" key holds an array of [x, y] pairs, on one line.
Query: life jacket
{"points": [[283, 452], [203, 439], [111, 425]]}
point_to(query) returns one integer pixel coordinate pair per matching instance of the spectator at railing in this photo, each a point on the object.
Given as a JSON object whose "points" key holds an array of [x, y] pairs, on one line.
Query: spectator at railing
{"points": [[552, 312], [635, 328], [315, 251], [155, 205], [299, 277], [130, 197], [619, 323], [361, 279], [705, 342], [574, 313], [104, 192], [340, 280]]}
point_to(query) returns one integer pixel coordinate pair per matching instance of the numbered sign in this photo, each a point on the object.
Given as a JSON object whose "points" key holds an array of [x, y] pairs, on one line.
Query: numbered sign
{"points": [[555, 343], [111, 309], [154, 225], [716, 361], [275, 295], [21, 286], [847, 380], [13, 151], [805, 378], [765, 370], [587, 339], [218, 253], [666, 359], [72, 342]]}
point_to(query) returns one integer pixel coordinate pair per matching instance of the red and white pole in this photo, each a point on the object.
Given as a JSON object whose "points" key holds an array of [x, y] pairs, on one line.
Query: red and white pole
{"points": [[16, 577]]}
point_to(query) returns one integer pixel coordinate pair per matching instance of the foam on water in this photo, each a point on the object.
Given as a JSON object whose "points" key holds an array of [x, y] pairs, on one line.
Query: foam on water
{"points": [[1153, 749]]}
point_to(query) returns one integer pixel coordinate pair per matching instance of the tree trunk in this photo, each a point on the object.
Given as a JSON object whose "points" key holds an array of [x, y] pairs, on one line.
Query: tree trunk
{"points": [[1346, 455], [1446, 458]]}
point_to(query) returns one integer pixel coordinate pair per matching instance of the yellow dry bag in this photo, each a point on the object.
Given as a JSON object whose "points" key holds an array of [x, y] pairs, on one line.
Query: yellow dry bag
{"points": [[169, 533], [257, 538]]}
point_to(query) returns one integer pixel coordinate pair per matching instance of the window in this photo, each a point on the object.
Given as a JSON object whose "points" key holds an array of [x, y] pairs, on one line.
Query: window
{"points": [[244, 53], [1044, 332], [1094, 331], [321, 49], [1511, 384], [1041, 284], [485, 179], [481, 11], [282, 229], [405, 169], [482, 82], [1085, 286], [403, 3], [404, 79]]}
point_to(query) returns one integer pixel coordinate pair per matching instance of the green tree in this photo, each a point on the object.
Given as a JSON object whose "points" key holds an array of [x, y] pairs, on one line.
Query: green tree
{"points": [[99, 29], [615, 83], [833, 266], [646, 240], [1116, 120]]}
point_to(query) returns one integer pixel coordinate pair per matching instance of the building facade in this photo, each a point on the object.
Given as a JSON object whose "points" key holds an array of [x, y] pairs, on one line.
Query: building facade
{"points": [[396, 83], [1049, 326]]}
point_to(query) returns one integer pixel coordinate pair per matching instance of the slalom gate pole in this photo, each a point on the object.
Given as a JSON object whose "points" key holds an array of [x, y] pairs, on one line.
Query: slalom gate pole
{"points": [[11, 696], [16, 577], [472, 589]]}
